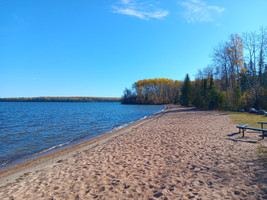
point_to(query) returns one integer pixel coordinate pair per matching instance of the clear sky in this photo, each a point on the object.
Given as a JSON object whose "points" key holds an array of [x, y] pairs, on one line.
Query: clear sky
{"points": [[99, 47]]}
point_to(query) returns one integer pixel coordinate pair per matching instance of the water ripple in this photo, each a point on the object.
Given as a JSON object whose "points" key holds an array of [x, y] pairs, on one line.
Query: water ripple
{"points": [[30, 128]]}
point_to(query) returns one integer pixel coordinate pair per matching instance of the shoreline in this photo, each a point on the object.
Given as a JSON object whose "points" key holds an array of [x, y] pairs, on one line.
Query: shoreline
{"points": [[69, 144], [180, 153], [34, 163]]}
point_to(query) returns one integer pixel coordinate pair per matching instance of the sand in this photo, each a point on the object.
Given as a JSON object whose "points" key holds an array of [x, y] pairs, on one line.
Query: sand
{"points": [[181, 153]]}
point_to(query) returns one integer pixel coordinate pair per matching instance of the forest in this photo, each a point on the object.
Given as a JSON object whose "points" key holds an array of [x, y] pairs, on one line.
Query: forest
{"points": [[61, 99], [236, 79]]}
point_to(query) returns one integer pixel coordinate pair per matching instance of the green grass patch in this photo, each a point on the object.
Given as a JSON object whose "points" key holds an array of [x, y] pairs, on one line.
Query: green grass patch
{"points": [[251, 120], [247, 118]]}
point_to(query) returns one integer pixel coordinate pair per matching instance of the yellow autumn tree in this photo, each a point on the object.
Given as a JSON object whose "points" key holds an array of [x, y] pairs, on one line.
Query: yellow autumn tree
{"points": [[234, 51], [153, 91]]}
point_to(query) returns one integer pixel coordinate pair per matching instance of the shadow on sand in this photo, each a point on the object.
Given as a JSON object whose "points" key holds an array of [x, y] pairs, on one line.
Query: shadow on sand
{"points": [[238, 140], [185, 109], [233, 134], [244, 139]]}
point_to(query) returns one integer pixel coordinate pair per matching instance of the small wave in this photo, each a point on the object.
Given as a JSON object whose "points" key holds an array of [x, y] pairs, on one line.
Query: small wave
{"points": [[143, 117], [3, 164], [53, 147], [117, 128], [122, 126], [165, 107], [129, 123], [29, 157]]}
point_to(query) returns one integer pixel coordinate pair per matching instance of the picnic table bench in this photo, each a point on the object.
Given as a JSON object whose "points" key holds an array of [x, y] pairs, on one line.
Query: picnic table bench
{"points": [[262, 124], [244, 127]]}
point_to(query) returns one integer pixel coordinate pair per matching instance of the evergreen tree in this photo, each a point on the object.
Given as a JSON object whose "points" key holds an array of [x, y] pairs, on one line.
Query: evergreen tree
{"points": [[215, 97], [187, 92]]}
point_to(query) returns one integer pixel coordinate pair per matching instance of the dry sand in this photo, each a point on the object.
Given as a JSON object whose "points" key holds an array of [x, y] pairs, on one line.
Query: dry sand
{"points": [[180, 153]]}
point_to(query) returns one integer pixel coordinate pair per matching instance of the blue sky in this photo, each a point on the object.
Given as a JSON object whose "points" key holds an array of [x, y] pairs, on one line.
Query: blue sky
{"points": [[99, 47]]}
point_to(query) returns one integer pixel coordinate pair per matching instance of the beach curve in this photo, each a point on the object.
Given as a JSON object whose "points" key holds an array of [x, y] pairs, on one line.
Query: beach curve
{"points": [[180, 153]]}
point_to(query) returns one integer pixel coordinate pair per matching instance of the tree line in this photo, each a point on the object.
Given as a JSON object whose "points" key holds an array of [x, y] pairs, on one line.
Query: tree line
{"points": [[152, 91], [61, 99], [236, 79]]}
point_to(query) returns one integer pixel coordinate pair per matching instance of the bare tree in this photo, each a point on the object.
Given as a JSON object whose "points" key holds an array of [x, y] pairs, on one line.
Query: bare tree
{"points": [[250, 45], [262, 45]]}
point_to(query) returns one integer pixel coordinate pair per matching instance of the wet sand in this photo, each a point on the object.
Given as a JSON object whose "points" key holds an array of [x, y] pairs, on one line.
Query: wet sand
{"points": [[181, 153]]}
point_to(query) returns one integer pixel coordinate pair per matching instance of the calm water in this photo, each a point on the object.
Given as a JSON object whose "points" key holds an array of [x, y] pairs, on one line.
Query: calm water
{"points": [[28, 128]]}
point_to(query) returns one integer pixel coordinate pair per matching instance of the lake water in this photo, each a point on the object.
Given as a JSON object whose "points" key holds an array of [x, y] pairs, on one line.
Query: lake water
{"points": [[32, 128]]}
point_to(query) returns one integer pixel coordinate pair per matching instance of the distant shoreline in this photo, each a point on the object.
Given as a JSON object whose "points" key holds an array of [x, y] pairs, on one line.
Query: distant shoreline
{"points": [[61, 99]]}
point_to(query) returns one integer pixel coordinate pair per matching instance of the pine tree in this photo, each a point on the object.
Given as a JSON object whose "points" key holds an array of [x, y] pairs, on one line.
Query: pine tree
{"points": [[187, 92]]}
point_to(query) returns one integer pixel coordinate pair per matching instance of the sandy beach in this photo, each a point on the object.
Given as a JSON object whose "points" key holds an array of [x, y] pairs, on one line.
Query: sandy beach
{"points": [[180, 153]]}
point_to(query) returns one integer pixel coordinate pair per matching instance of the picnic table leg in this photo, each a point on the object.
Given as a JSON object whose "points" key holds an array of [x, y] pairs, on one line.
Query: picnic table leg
{"points": [[263, 134], [243, 132]]}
